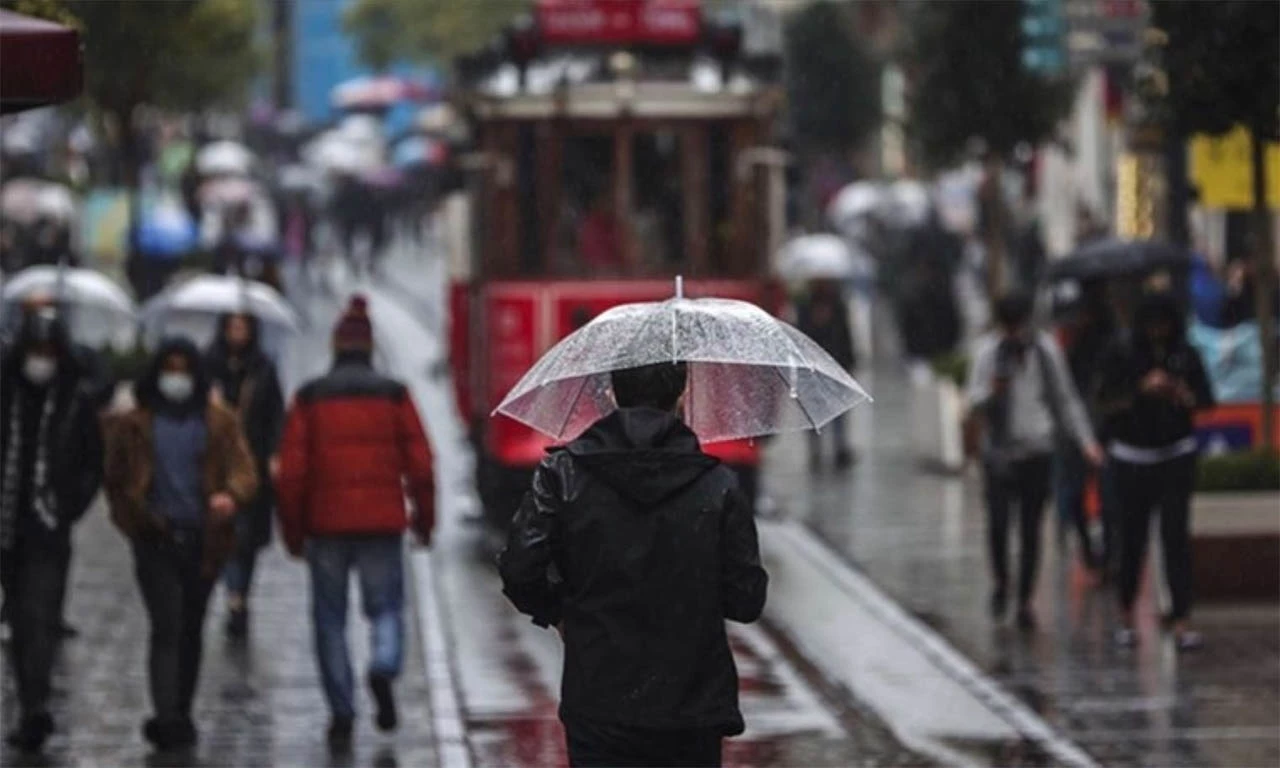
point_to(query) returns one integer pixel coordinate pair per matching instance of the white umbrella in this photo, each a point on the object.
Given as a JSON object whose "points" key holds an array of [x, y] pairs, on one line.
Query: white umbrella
{"points": [[908, 203], [25, 200], [224, 157], [817, 257], [855, 202], [750, 374], [222, 192], [216, 295], [69, 285]]}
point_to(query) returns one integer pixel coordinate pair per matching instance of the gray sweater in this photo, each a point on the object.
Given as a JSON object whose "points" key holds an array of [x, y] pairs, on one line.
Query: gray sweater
{"points": [[1031, 422]]}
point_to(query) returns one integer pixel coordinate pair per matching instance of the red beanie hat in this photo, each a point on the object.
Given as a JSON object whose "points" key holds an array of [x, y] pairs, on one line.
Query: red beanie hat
{"points": [[354, 332]]}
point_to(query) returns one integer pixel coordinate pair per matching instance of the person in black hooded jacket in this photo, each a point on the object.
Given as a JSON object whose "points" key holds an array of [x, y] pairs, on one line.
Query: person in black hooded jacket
{"points": [[1151, 384], [50, 470], [636, 546], [245, 379]]}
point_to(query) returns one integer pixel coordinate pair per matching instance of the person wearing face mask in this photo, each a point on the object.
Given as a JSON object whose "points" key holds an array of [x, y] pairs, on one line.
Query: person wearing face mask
{"points": [[245, 378], [1152, 381], [177, 469], [50, 467], [1021, 389]]}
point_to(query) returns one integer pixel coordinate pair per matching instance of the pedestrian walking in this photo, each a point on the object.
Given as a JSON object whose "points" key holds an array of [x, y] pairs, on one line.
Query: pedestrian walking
{"points": [[636, 546], [824, 317], [51, 463], [1085, 338], [1153, 382], [245, 380], [177, 470], [1021, 392], [353, 447]]}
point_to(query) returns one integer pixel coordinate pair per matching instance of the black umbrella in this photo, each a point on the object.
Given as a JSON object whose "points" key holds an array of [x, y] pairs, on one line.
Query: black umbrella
{"points": [[1118, 258]]}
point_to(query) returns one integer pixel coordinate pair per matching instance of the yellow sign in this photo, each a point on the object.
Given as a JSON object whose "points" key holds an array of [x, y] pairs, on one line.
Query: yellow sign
{"points": [[1222, 169]]}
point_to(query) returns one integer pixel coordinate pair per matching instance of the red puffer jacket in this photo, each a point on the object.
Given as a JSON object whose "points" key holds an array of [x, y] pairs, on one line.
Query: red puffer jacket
{"points": [[353, 446]]}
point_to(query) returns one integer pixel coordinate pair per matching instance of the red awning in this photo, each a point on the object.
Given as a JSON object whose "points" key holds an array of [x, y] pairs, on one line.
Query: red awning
{"points": [[39, 62]]}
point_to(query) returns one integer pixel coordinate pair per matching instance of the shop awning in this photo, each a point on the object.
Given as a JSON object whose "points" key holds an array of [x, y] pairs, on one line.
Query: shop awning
{"points": [[40, 62]]}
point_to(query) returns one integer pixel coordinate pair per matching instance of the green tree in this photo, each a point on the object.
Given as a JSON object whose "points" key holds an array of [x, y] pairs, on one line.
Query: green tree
{"points": [[833, 86], [1222, 60], [969, 84], [425, 30]]}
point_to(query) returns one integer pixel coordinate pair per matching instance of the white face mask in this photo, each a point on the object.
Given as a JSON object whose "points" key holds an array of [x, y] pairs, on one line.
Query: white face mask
{"points": [[175, 387], [39, 369]]}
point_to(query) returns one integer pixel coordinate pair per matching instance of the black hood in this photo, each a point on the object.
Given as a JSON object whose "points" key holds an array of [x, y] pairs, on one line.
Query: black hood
{"points": [[147, 389], [43, 327], [644, 454], [1155, 307]]}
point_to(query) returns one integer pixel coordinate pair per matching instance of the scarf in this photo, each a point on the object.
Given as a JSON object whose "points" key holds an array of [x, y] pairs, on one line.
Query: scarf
{"points": [[43, 499]]}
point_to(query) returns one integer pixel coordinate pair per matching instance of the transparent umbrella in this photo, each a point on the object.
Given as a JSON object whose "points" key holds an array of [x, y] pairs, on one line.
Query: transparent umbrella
{"points": [[214, 295], [750, 374]]}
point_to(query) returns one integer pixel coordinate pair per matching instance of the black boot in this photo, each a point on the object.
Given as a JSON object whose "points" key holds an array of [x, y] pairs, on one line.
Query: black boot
{"points": [[170, 735], [238, 623], [31, 734], [380, 687], [339, 735]]}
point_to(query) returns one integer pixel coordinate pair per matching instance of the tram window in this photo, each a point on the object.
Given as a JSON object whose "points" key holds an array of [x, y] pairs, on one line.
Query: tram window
{"points": [[587, 235], [659, 202], [526, 173]]}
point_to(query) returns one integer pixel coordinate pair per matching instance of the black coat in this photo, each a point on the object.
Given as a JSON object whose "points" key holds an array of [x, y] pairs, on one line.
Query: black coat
{"points": [[260, 406], [640, 546], [825, 319], [1139, 419]]}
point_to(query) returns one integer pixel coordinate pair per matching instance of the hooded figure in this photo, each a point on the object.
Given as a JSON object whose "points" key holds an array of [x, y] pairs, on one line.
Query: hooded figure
{"points": [[245, 378], [637, 546], [1151, 384], [51, 465], [177, 470]]}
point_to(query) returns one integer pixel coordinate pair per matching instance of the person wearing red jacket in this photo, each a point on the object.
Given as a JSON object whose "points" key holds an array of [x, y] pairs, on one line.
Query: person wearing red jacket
{"points": [[353, 446]]}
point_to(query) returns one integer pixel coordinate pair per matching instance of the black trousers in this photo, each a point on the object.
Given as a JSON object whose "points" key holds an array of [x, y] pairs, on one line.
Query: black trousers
{"points": [[1024, 484], [1142, 488], [596, 745], [34, 594], [176, 595]]}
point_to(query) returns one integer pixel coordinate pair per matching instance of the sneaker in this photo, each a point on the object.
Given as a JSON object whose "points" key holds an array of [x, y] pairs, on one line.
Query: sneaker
{"points": [[31, 734], [339, 735], [1125, 637], [380, 687], [1026, 619], [845, 459], [169, 735]]}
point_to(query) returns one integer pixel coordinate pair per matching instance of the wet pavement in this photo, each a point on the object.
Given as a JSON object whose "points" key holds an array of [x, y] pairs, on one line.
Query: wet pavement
{"points": [[260, 705], [920, 537]]}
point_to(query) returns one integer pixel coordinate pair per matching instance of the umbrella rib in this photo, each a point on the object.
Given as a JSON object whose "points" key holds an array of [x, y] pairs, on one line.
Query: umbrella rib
{"points": [[574, 404], [799, 402]]}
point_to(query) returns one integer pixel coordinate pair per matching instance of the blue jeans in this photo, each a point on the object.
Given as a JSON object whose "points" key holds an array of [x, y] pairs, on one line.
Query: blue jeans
{"points": [[379, 563]]}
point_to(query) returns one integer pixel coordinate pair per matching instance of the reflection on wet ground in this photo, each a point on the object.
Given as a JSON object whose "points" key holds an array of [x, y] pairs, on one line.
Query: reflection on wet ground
{"points": [[257, 706], [921, 538]]}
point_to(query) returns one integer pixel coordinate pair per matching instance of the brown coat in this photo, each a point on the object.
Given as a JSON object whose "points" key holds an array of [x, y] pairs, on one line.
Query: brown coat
{"points": [[228, 467]]}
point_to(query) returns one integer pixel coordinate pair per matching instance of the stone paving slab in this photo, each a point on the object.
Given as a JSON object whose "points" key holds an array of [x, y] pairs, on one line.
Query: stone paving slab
{"points": [[257, 706]]}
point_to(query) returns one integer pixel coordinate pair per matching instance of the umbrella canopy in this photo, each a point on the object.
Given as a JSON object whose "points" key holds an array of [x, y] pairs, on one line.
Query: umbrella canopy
{"points": [[908, 204], [224, 157], [854, 202], [25, 200], [222, 192], [750, 374], [218, 295], [83, 287], [39, 62], [1118, 258], [378, 92], [167, 230], [817, 257], [334, 153]]}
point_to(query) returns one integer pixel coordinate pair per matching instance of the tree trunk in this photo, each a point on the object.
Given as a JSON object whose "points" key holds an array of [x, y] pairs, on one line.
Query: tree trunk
{"points": [[1263, 283]]}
